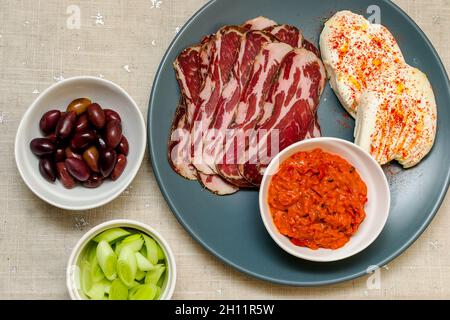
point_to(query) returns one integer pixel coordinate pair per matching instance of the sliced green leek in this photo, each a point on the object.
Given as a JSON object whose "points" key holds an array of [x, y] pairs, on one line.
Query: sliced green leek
{"points": [[160, 253], [152, 249], [135, 284], [160, 282], [111, 235], [142, 263], [143, 251], [158, 293], [155, 274], [118, 290], [127, 266], [134, 242], [106, 284], [122, 264], [131, 239], [96, 271], [91, 251], [85, 276], [144, 292], [140, 275], [97, 291], [107, 260]]}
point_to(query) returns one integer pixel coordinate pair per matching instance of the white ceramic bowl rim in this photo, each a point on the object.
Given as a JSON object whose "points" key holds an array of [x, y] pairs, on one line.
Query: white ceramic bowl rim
{"points": [[139, 148], [326, 255], [125, 223]]}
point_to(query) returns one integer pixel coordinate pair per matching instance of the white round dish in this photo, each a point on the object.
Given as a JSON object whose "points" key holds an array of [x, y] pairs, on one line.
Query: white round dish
{"points": [[58, 96], [73, 271], [377, 207]]}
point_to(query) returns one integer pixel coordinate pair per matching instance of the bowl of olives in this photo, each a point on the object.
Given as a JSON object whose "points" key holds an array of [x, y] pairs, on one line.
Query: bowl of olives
{"points": [[81, 143]]}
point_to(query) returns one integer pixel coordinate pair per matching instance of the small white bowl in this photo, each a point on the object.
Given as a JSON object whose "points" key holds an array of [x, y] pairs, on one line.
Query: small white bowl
{"points": [[58, 96], [73, 271], [377, 207]]}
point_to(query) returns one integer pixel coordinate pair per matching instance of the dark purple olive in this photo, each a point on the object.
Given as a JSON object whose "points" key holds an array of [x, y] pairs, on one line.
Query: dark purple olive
{"points": [[52, 137], [113, 133], [62, 143], [79, 106], [121, 163], [108, 158], [78, 169], [94, 181], [49, 121], [66, 124], [111, 115], [42, 147], [47, 169], [90, 156], [82, 139], [101, 144], [64, 176], [60, 155], [82, 123], [96, 115], [123, 146], [70, 154]]}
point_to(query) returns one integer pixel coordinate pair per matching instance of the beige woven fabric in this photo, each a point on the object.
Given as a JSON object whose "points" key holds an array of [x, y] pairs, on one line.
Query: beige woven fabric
{"points": [[124, 40]]}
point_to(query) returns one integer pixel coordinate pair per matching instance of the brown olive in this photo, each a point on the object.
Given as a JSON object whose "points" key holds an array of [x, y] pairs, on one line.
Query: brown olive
{"points": [[94, 181], [108, 159], [111, 115], [60, 155], [79, 106], [90, 156], [113, 133], [82, 139], [65, 124], [96, 115], [70, 154], [82, 123], [42, 147], [63, 174], [78, 169], [123, 146], [47, 169], [121, 163], [49, 121]]}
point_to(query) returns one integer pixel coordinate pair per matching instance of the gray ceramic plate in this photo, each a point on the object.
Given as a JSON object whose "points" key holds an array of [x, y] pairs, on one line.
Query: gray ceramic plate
{"points": [[230, 227]]}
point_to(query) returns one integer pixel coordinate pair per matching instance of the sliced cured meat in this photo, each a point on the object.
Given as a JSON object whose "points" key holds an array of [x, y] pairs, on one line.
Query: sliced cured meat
{"points": [[311, 47], [258, 23], [206, 51], [292, 36], [179, 145], [314, 130], [287, 34], [289, 110], [230, 85], [213, 183], [187, 71], [251, 44], [189, 77], [226, 46], [216, 184], [264, 71]]}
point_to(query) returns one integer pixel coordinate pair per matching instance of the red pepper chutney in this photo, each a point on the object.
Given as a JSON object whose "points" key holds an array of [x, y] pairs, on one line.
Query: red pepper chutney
{"points": [[317, 199]]}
